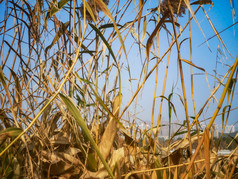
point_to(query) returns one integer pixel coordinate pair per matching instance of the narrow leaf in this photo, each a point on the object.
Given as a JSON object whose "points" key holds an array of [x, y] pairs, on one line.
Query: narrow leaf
{"points": [[18, 87], [104, 40], [150, 40], [61, 31], [77, 116], [201, 2], [140, 11], [11, 131], [104, 8], [207, 153], [190, 63], [231, 84], [191, 11], [144, 30], [54, 8], [2, 77], [170, 104], [223, 114], [89, 10], [110, 25]]}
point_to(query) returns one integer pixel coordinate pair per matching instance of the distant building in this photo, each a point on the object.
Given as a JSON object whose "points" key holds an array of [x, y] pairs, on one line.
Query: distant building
{"points": [[236, 127], [174, 128], [178, 125]]}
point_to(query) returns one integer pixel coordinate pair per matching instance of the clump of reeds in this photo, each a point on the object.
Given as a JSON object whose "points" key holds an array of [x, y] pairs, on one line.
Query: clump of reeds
{"points": [[62, 111], [178, 7]]}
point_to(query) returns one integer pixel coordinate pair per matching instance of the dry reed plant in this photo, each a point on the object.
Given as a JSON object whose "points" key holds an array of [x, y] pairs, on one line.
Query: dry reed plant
{"points": [[65, 112]]}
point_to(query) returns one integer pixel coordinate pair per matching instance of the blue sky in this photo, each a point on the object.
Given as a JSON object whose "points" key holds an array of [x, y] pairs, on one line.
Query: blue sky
{"points": [[221, 18]]}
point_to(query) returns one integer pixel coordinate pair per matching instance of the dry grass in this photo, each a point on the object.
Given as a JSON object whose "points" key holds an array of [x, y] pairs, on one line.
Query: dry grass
{"points": [[61, 75]]}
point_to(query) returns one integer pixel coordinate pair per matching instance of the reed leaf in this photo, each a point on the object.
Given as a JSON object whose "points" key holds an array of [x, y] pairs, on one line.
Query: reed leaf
{"points": [[207, 153], [54, 8], [61, 31], [104, 8], [77, 116]]}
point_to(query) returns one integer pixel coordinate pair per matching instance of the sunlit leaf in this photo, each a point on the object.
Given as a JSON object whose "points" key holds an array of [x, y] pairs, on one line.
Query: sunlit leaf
{"points": [[231, 84], [104, 40], [11, 131], [54, 8], [201, 2], [109, 134], [61, 31], [90, 11], [2, 77], [144, 30], [18, 88], [150, 40], [224, 111], [104, 8], [207, 153], [92, 162], [190, 63], [141, 5]]}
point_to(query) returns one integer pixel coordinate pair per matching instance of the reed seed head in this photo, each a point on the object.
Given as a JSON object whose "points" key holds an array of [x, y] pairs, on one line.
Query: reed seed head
{"points": [[95, 9], [178, 7]]}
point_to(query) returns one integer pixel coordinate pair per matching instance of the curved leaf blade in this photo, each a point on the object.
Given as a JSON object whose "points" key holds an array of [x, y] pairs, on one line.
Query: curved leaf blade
{"points": [[55, 8], [108, 13], [77, 116], [61, 31]]}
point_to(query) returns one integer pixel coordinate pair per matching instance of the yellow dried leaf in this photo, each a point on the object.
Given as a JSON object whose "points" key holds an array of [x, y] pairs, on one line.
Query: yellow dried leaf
{"points": [[207, 153], [154, 175]]}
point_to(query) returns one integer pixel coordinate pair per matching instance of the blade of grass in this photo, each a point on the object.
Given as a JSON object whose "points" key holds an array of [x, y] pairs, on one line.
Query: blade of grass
{"points": [[140, 11], [150, 40], [214, 29], [54, 8], [191, 11], [110, 50], [90, 11], [219, 33], [101, 101], [207, 153], [77, 116], [61, 31], [104, 8]]}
